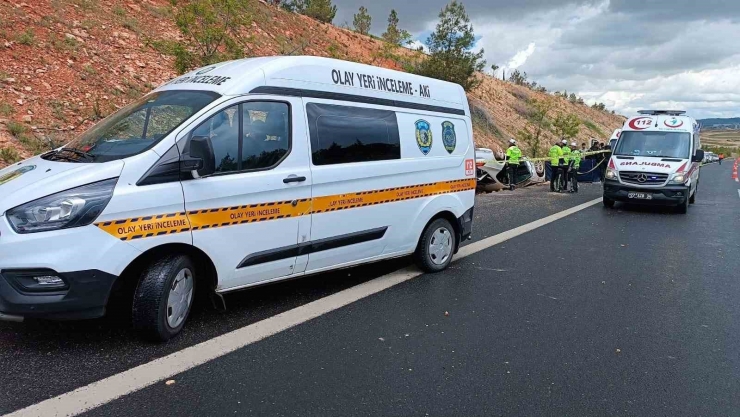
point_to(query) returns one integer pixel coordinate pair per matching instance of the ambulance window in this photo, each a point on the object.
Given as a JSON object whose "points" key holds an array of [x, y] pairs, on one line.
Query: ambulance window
{"points": [[342, 134]]}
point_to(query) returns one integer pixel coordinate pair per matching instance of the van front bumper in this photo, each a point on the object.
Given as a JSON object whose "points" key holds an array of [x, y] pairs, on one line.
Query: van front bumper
{"points": [[83, 294], [669, 195]]}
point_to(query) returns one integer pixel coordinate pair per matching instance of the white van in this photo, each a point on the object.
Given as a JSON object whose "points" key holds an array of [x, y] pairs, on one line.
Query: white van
{"points": [[236, 175], [656, 161]]}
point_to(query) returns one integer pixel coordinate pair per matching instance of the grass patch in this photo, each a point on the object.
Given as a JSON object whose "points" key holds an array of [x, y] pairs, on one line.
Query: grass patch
{"points": [[6, 109], [57, 110], [131, 24], [9, 155], [484, 121], [86, 4], [161, 12], [592, 126], [17, 129], [118, 10], [26, 38]]}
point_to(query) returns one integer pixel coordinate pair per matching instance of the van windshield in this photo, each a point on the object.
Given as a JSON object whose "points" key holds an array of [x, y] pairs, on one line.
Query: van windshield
{"points": [[135, 128], [654, 144]]}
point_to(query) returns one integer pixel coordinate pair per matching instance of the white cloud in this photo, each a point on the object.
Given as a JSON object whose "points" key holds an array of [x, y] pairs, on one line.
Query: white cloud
{"points": [[521, 57], [416, 44]]}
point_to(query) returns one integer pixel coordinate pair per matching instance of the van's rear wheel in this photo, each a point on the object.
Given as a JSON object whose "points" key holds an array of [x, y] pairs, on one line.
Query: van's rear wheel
{"points": [[436, 246], [164, 297]]}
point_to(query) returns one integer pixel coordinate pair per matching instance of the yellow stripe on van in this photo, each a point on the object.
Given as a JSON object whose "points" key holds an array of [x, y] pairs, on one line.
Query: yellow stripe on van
{"points": [[141, 227], [164, 224]]}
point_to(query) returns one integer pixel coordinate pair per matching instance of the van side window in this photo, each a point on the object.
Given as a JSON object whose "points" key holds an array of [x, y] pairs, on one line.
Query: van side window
{"points": [[266, 134], [342, 134], [244, 137]]}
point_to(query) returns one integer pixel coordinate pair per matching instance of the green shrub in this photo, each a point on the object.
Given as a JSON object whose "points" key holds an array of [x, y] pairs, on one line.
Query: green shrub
{"points": [[26, 38], [17, 129], [9, 155]]}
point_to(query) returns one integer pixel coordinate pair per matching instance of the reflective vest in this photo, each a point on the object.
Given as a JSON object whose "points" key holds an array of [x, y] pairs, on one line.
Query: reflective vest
{"points": [[575, 156], [513, 154], [556, 152], [566, 155]]}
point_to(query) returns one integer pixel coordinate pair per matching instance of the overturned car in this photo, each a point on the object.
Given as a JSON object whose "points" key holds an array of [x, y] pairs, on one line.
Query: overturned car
{"points": [[493, 177]]}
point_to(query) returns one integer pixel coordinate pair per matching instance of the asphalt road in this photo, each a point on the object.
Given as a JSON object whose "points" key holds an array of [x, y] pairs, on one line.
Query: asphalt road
{"points": [[629, 311]]}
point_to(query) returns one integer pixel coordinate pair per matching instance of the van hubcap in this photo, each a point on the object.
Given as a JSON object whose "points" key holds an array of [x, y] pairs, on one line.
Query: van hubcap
{"points": [[440, 246], [180, 298]]}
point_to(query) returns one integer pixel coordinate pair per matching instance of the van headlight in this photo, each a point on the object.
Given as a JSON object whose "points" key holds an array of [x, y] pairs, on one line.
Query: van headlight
{"points": [[611, 174], [678, 178], [72, 208]]}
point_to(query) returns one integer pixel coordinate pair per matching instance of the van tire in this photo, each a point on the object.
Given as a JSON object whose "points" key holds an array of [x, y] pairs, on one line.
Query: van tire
{"points": [[608, 202], [692, 199], [440, 234], [151, 317], [683, 208]]}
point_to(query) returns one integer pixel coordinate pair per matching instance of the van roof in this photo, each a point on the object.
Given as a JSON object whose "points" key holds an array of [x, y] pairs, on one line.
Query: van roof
{"points": [[661, 122], [289, 75]]}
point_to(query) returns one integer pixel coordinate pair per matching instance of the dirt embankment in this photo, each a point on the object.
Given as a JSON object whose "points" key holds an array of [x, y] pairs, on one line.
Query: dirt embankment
{"points": [[66, 63]]}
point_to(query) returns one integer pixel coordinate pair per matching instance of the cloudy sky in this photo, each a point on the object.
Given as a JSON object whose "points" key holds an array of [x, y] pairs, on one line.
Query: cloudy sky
{"points": [[629, 54]]}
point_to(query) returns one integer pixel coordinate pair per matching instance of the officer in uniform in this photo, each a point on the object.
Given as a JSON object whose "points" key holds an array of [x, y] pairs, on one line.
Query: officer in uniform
{"points": [[513, 155], [575, 163], [564, 163], [556, 152]]}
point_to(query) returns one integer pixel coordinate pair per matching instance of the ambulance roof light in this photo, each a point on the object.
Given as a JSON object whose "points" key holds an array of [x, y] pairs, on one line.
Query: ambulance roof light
{"points": [[662, 112]]}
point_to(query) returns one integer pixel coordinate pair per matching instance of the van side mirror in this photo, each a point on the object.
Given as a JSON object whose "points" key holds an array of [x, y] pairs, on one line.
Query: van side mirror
{"points": [[698, 156], [199, 157]]}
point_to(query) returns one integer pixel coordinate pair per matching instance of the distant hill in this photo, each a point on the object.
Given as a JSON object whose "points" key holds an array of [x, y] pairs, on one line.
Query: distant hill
{"points": [[719, 122]]}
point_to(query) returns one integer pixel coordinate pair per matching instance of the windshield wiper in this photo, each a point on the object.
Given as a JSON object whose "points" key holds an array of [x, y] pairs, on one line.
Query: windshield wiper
{"points": [[79, 152]]}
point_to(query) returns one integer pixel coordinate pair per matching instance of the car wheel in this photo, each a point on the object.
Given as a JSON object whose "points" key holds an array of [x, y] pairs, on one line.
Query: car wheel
{"points": [[164, 298], [436, 246], [683, 208], [608, 202]]}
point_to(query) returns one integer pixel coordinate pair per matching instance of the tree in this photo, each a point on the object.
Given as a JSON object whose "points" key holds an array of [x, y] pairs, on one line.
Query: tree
{"points": [[393, 34], [494, 68], [538, 117], [213, 29], [450, 49], [518, 78], [573, 98], [362, 21], [321, 10], [567, 127]]}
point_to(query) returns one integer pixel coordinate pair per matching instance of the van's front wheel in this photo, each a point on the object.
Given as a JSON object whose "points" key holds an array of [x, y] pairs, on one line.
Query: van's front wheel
{"points": [[164, 297], [436, 246]]}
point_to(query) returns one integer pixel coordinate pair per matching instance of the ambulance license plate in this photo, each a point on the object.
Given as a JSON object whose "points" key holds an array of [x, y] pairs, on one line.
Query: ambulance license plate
{"points": [[640, 196]]}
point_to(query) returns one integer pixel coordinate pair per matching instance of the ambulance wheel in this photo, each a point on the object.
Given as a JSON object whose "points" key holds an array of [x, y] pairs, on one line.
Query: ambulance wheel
{"points": [[683, 208], [436, 246], [164, 298], [692, 200], [608, 202]]}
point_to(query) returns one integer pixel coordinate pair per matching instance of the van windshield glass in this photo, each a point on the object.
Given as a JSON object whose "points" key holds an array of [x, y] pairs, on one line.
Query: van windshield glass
{"points": [[135, 128], [654, 144]]}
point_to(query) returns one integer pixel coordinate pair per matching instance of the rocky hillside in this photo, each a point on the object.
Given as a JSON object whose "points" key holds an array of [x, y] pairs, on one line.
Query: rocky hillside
{"points": [[64, 64]]}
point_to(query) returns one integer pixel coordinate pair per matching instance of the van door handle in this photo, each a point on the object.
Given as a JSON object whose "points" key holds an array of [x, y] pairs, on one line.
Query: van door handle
{"points": [[294, 178]]}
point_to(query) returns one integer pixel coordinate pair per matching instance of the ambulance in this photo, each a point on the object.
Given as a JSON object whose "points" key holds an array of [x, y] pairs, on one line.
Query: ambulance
{"points": [[656, 161], [232, 176]]}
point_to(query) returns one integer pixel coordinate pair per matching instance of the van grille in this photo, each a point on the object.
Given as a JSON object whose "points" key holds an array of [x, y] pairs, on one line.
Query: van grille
{"points": [[643, 178]]}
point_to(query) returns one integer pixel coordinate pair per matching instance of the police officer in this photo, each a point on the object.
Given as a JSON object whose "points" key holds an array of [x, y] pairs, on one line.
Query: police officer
{"points": [[556, 152], [575, 163], [565, 169], [513, 155]]}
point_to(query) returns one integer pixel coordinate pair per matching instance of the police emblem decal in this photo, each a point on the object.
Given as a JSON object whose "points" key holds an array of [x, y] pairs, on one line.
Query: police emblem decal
{"points": [[449, 139], [424, 136]]}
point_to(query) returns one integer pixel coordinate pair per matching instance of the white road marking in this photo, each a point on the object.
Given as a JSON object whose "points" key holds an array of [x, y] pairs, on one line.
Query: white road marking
{"points": [[738, 193], [108, 389]]}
